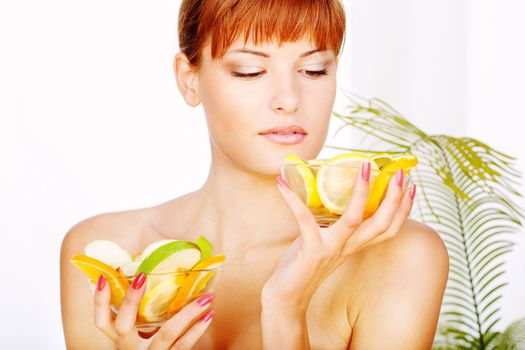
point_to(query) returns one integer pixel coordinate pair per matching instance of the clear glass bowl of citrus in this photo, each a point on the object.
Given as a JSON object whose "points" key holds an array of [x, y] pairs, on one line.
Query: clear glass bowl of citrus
{"points": [[177, 273], [325, 185]]}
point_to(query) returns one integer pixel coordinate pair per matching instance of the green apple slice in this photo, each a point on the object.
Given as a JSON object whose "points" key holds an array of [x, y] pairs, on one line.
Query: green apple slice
{"points": [[108, 252], [171, 257], [205, 246], [153, 246]]}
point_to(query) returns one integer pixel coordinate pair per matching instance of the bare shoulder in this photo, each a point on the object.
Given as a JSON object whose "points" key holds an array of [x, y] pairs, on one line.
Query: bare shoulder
{"points": [[416, 249], [131, 229], [417, 242], [124, 228], [403, 283]]}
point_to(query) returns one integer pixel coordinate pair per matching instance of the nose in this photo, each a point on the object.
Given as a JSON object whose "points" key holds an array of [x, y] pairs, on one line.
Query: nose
{"points": [[285, 98]]}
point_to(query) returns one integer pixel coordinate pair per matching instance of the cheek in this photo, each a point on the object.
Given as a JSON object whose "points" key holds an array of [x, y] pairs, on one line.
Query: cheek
{"points": [[318, 102], [231, 110]]}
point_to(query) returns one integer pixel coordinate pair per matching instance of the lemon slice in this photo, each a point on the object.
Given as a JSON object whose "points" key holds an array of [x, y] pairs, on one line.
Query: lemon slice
{"points": [[316, 161], [301, 180], [382, 159], [156, 301], [336, 178], [380, 185]]}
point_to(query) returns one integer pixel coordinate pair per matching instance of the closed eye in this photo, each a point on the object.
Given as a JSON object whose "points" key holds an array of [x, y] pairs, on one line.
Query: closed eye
{"points": [[310, 73], [316, 73], [246, 75]]}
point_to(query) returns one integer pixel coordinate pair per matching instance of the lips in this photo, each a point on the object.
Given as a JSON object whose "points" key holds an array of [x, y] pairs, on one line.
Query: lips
{"points": [[285, 135], [285, 130]]}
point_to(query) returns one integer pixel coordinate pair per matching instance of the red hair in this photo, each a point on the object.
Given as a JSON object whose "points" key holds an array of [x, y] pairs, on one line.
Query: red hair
{"points": [[223, 21]]}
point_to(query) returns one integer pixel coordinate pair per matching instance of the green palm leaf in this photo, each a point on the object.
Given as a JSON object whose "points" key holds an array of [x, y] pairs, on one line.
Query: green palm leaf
{"points": [[467, 193]]}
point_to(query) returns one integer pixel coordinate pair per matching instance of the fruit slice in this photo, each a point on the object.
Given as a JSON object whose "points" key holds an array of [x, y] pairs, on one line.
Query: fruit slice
{"points": [[382, 160], [336, 178], [315, 161], [205, 246], [196, 281], [118, 284], [130, 268], [108, 252], [170, 257], [301, 180], [380, 185], [153, 246], [155, 303]]}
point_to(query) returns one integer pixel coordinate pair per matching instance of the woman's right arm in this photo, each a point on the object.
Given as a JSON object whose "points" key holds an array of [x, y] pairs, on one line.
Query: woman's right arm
{"points": [[87, 319]]}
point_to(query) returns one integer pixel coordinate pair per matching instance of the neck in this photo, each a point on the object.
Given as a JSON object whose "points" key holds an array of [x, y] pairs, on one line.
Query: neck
{"points": [[243, 210]]}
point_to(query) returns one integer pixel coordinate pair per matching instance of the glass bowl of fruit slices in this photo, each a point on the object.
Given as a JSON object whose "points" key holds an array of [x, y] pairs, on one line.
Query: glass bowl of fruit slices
{"points": [[325, 185], [177, 273]]}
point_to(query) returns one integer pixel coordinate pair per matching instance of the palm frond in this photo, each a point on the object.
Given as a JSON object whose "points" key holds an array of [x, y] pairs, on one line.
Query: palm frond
{"points": [[468, 193]]}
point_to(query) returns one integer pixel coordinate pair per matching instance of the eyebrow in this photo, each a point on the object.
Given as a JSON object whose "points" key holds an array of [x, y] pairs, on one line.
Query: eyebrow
{"points": [[262, 54]]}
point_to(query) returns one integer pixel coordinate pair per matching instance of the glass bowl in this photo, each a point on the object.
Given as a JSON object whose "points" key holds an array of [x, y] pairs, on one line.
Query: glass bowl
{"points": [[166, 294], [326, 188]]}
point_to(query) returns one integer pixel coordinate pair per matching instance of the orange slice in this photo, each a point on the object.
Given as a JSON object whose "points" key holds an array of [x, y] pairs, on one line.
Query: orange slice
{"points": [[195, 282], [92, 268], [378, 191]]}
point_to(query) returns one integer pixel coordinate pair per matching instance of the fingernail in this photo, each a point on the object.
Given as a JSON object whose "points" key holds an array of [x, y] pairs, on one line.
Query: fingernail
{"points": [[365, 172], [207, 316], [138, 281], [205, 300], [399, 178], [281, 182], [412, 192], [101, 282]]}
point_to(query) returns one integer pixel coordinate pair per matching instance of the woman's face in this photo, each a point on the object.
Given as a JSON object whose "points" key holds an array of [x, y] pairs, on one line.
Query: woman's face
{"points": [[253, 89]]}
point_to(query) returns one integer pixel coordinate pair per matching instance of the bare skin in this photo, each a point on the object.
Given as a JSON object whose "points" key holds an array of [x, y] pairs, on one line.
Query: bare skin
{"points": [[344, 308], [393, 287]]}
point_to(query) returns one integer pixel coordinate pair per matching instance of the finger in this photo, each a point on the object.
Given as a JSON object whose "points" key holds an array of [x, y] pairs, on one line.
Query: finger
{"points": [[127, 314], [306, 221], [103, 316], [400, 217], [382, 219], [192, 335], [177, 325], [353, 214]]}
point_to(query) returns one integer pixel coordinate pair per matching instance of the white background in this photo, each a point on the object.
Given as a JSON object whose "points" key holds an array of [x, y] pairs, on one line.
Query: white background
{"points": [[91, 120]]}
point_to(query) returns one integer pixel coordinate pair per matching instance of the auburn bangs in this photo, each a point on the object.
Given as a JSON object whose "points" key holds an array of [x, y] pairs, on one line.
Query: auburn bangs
{"points": [[221, 22]]}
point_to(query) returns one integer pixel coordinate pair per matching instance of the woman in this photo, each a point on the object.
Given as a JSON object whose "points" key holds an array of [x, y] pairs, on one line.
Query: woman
{"points": [[265, 73]]}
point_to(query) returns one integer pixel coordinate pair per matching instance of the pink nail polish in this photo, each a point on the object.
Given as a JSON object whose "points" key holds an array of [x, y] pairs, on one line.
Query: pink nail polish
{"points": [[101, 282], [138, 281], [205, 300], [207, 316], [365, 172], [281, 182], [399, 178], [412, 192]]}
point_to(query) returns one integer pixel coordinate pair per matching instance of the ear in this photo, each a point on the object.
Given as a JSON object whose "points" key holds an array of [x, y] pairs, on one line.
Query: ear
{"points": [[187, 79]]}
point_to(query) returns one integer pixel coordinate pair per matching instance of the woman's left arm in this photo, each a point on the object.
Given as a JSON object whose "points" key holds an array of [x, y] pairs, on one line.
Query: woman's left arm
{"points": [[317, 252]]}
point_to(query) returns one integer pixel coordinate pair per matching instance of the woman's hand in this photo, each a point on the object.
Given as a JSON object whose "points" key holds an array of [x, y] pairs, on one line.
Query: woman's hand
{"points": [[317, 252], [181, 331]]}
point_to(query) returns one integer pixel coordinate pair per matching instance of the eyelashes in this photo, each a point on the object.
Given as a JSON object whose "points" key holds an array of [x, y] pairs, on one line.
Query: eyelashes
{"points": [[316, 73], [246, 75], [310, 73]]}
